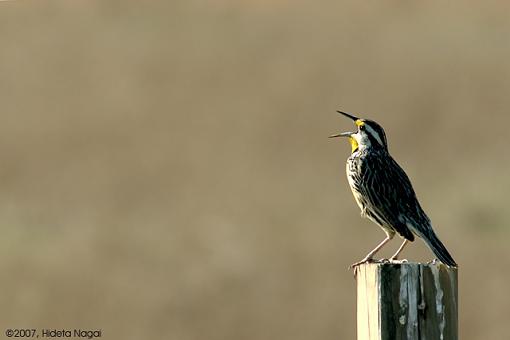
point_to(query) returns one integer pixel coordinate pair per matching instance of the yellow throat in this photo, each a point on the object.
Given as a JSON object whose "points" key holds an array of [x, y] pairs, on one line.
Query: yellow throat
{"points": [[352, 140], [354, 143]]}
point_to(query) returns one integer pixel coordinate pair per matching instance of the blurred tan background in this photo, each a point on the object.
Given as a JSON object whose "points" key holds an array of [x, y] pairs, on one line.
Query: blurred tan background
{"points": [[165, 171]]}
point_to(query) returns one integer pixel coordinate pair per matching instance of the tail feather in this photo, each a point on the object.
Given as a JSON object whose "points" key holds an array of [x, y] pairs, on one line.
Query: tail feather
{"points": [[439, 249]]}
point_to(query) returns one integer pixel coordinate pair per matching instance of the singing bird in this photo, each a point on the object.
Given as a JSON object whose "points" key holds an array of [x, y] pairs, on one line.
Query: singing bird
{"points": [[384, 193]]}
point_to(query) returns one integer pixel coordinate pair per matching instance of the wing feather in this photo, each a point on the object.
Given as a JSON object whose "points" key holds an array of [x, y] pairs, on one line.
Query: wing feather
{"points": [[390, 195]]}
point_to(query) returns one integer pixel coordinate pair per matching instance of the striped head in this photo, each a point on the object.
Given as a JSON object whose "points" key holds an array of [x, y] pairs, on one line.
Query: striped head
{"points": [[369, 134]]}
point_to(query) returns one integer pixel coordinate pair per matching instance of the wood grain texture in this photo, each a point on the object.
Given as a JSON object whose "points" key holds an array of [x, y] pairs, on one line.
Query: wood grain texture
{"points": [[407, 301]]}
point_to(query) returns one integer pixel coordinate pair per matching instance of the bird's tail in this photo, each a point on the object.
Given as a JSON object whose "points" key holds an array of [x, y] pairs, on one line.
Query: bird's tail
{"points": [[439, 249]]}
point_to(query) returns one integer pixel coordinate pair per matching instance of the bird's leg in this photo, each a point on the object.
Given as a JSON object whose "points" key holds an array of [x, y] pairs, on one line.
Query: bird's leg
{"points": [[395, 256], [370, 255]]}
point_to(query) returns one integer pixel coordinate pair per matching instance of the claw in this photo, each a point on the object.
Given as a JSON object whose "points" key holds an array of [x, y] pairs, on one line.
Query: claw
{"points": [[365, 260], [395, 260], [355, 266]]}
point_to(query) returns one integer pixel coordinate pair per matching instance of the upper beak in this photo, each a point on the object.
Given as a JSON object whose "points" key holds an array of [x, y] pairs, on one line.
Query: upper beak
{"points": [[348, 115], [343, 134]]}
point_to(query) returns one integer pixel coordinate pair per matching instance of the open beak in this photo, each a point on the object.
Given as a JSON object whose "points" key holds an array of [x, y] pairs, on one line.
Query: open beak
{"points": [[343, 134]]}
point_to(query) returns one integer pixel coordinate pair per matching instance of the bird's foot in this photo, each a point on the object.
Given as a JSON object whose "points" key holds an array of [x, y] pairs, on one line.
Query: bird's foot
{"points": [[370, 260], [354, 266], [365, 260], [397, 261]]}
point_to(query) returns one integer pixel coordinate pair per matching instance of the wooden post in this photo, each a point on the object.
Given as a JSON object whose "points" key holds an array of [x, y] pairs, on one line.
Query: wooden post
{"points": [[407, 301]]}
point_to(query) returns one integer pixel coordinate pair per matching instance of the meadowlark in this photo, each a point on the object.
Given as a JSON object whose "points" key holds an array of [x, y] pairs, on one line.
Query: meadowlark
{"points": [[384, 192]]}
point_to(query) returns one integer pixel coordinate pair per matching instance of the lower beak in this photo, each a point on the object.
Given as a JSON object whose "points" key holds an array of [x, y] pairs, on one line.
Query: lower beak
{"points": [[343, 134]]}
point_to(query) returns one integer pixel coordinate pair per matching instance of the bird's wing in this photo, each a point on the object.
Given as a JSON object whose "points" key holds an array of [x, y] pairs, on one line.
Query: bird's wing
{"points": [[390, 194]]}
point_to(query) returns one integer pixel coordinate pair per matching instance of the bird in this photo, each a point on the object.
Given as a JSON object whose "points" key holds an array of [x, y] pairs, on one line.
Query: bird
{"points": [[384, 192]]}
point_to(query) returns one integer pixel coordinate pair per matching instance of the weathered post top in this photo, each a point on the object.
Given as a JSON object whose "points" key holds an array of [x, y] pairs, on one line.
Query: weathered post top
{"points": [[407, 301]]}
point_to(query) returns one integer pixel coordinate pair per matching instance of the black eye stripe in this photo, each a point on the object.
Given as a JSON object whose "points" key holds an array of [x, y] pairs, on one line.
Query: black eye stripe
{"points": [[375, 134]]}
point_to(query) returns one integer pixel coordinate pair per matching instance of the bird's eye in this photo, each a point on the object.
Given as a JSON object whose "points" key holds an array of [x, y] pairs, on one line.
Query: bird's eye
{"points": [[362, 127]]}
